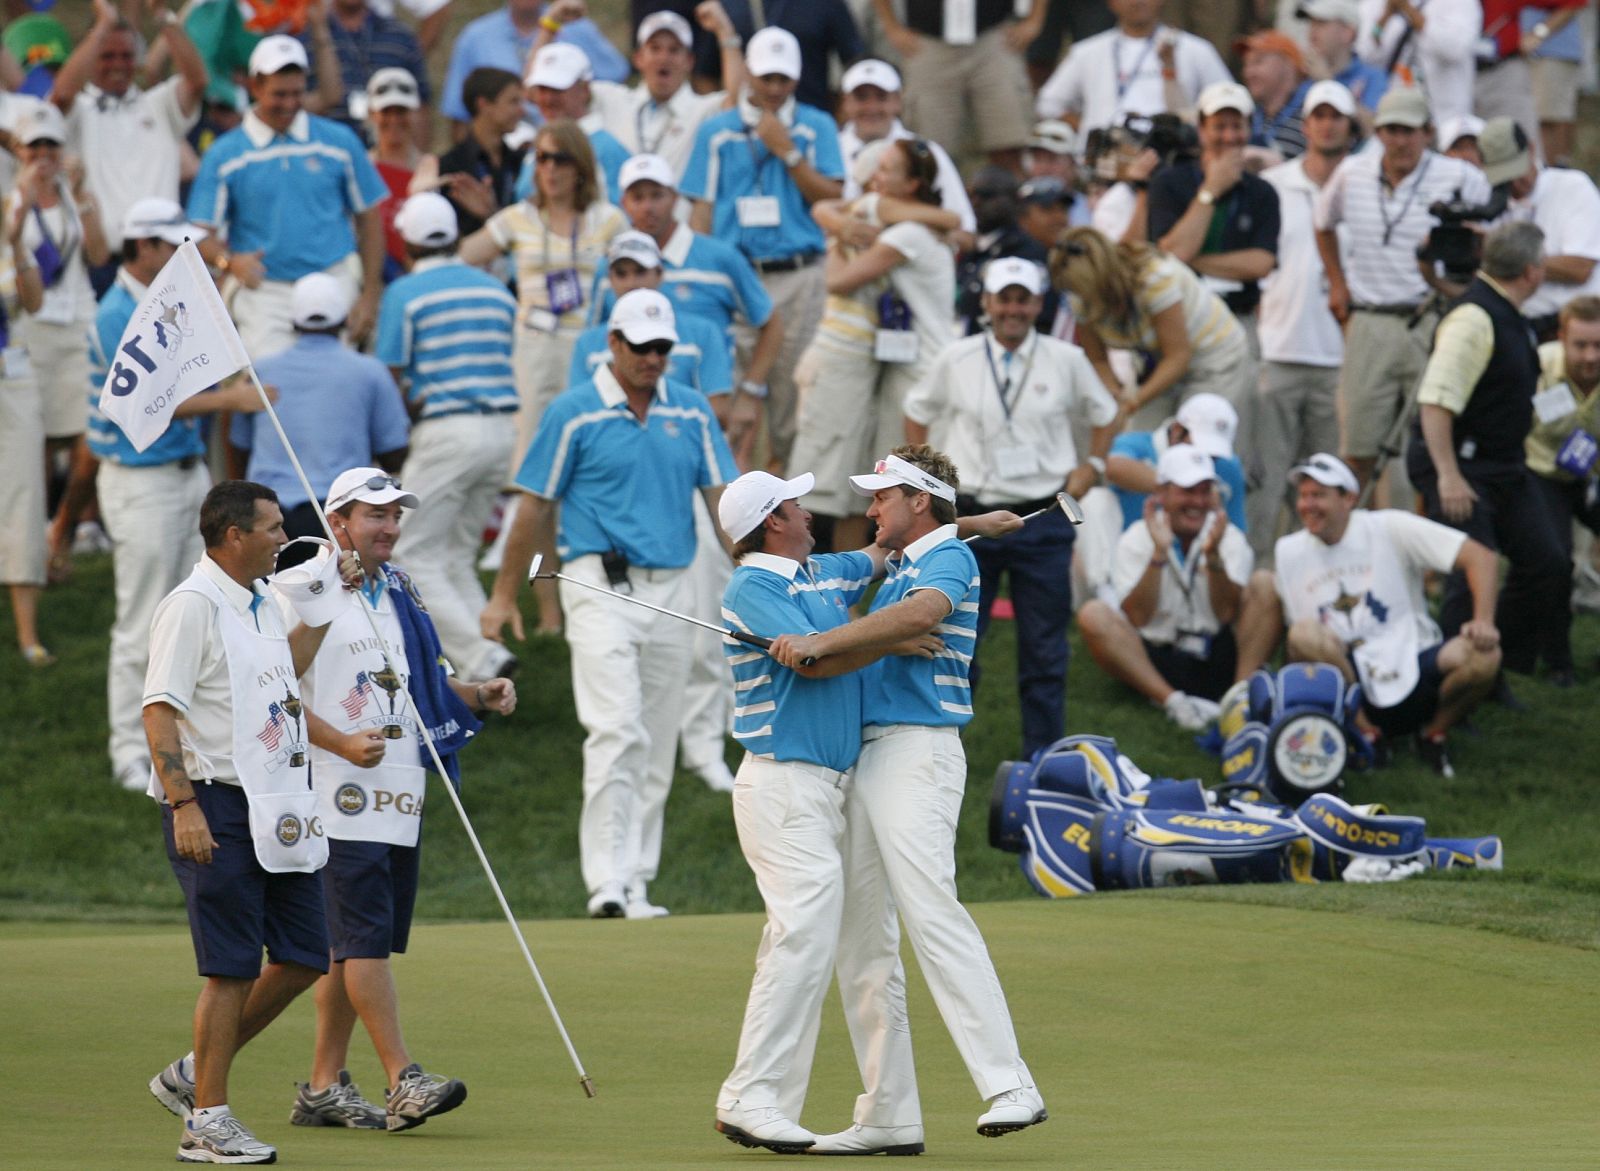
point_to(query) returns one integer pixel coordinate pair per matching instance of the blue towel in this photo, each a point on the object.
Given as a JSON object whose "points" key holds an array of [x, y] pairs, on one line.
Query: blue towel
{"points": [[449, 721]]}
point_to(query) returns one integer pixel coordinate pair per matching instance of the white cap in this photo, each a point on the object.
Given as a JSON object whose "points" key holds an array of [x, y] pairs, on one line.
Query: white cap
{"points": [[1211, 423], [40, 122], [665, 21], [390, 87], [1006, 271], [753, 497], [313, 586], [891, 470], [773, 50], [559, 66], [652, 167], [870, 71], [369, 486], [1344, 11], [319, 301], [159, 219], [1059, 138], [427, 220], [1185, 465], [1455, 129], [1225, 95], [638, 247], [1327, 470], [1329, 92], [644, 315], [276, 53]]}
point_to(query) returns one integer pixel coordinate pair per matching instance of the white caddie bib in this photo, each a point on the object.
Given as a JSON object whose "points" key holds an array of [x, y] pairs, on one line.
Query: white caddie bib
{"points": [[269, 740]]}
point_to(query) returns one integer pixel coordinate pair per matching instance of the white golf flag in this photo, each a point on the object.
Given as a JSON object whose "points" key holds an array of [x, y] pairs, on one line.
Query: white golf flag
{"points": [[179, 341]]}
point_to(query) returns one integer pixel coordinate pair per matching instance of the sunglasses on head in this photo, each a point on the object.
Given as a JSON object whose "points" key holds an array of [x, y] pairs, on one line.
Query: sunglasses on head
{"points": [[659, 348], [371, 484], [559, 158]]}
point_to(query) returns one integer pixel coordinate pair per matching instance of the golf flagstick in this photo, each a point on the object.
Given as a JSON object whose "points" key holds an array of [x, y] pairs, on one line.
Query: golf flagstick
{"points": [[1065, 503]]}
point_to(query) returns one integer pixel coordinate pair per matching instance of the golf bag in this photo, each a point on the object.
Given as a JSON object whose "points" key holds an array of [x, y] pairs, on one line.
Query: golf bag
{"points": [[1292, 733]]}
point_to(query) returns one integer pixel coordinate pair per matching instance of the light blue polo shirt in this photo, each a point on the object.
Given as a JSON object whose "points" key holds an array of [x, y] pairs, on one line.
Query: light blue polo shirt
{"points": [[289, 196], [450, 327], [703, 277], [181, 439], [609, 155], [1141, 446], [699, 359], [625, 484], [932, 692], [778, 713], [729, 161]]}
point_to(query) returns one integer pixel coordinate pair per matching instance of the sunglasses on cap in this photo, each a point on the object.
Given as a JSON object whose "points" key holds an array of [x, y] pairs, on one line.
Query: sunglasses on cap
{"points": [[395, 87], [370, 484], [559, 158], [659, 348]]}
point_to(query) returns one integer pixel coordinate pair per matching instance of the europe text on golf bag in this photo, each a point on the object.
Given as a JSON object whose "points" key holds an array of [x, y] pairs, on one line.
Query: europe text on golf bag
{"points": [[1292, 732]]}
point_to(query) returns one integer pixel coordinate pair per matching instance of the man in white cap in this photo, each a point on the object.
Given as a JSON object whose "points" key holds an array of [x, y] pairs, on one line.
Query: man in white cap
{"points": [[1003, 403], [1209, 422], [558, 83], [1351, 586], [338, 407], [754, 174], [1053, 154], [612, 474], [1179, 581], [446, 332], [902, 813], [1331, 30], [366, 40], [370, 768], [1302, 346], [283, 157], [1458, 138]]}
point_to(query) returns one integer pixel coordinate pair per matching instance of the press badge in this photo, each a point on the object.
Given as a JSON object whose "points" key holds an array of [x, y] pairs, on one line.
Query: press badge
{"points": [[1015, 459], [565, 289], [1193, 643], [894, 340], [16, 362], [1578, 454], [1554, 404], [541, 320], [758, 211]]}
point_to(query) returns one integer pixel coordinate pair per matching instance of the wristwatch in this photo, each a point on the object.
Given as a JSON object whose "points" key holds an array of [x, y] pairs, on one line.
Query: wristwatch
{"points": [[1206, 198], [792, 159]]}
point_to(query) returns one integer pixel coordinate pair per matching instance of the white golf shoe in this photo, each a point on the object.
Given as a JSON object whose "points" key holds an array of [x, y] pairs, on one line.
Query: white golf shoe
{"points": [[637, 905], [870, 1140], [173, 1087], [763, 1126], [609, 902], [1011, 1111]]}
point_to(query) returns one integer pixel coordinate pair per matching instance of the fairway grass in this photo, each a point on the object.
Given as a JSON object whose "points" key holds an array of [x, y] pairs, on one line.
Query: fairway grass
{"points": [[1164, 1033]]}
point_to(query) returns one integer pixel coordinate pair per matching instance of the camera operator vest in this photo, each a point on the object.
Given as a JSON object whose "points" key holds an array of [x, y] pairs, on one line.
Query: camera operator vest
{"points": [[1489, 431]]}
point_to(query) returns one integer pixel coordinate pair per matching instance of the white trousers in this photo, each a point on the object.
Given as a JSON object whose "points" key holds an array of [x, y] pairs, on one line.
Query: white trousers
{"points": [[457, 467], [152, 516], [902, 812], [629, 668], [708, 698], [790, 817]]}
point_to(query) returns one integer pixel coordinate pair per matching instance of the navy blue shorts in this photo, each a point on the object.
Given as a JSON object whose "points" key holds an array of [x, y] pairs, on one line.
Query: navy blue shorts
{"points": [[1416, 709], [235, 907], [369, 889]]}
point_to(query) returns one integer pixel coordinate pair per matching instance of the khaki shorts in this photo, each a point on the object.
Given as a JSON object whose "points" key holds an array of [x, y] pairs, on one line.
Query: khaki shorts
{"points": [[1383, 362], [1555, 89], [945, 83], [849, 416]]}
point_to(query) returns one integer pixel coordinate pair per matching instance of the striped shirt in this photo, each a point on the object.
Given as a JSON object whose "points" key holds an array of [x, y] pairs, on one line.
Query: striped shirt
{"points": [[777, 713], [521, 230], [181, 440], [699, 358], [1386, 224], [1165, 282], [449, 328], [931, 692]]}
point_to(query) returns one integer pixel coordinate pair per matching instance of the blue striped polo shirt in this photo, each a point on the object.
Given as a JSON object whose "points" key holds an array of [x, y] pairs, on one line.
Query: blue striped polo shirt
{"points": [[931, 692], [289, 196], [623, 483], [778, 713], [181, 439], [450, 327], [703, 277], [699, 359]]}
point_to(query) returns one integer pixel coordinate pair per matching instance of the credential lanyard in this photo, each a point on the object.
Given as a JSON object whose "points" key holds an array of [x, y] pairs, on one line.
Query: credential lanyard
{"points": [[1124, 80], [1383, 212], [1008, 401]]}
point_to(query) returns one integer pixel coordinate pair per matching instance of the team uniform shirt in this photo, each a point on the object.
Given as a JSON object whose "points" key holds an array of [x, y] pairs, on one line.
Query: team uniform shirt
{"points": [[1183, 615], [1167, 281], [493, 40], [1005, 418], [1293, 319], [1147, 446], [699, 358], [1386, 225], [450, 327], [609, 155], [130, 146], [1440, 57], [1566, 205], [704, 277], [729, 164], [901, 689], [181, 439], [521, 230], [1564, 414], [339, 408], [624, 484], [1367, 590], [289, 196], [1111, 75], [645, 126], [952, 192], [778, 714]]}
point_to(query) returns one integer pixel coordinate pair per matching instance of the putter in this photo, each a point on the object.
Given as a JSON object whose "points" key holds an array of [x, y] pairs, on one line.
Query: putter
{"points": [[1065, 503]]}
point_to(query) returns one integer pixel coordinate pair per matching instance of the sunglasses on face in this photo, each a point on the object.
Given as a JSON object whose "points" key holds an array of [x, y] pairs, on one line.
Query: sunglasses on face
{"points": [[395, 87], [659, 348], [557, 158]]}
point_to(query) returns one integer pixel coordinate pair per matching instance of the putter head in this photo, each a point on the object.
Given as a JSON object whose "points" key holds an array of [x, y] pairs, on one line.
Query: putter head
{"points": [[533, 570], [1070, 507]]}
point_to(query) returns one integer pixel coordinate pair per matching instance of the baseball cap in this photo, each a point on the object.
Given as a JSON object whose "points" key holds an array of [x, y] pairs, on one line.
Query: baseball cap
{"points": [[871, 71], [773, 50], [427, 220], [1002, 273], [1328, 470], [652, 167], [634, 246], [159, 219], [754, 496], [1211, 423], [276, 53], [891, 471], [40, 122], [559, 66], [1044, 191], [1344, 11], [1058, 138], [319, 301], [369, 486], [1402, 105], [1455, 129], [1270, 40], [390, 87], [1185, 465], [644, 315], [665, 22], [1505, 151], [1330, 93], [1225, 95]]}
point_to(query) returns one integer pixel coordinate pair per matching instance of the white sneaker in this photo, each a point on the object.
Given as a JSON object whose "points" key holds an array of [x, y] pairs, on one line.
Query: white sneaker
{"points": [[174, 1088], [1190, 712], [763, 1126], [223, 1140], [870, 1140], [608, 902], [1011, 1111], [637, 905], [717, 776]]}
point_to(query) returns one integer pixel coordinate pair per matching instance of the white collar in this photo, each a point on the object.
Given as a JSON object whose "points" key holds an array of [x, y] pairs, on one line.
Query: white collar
{"points": [[431, 262], [610, 390], [1021, 353], [260, 134], [236, 595], [928, 542], [897, 131], [129, 283], [784, 567], [106, 101], [749, 114], [676, 250]]}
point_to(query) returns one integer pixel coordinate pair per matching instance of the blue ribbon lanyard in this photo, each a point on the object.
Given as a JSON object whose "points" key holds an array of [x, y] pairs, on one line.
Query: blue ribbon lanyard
{"points": [[1124, 80], [1004, 388]]}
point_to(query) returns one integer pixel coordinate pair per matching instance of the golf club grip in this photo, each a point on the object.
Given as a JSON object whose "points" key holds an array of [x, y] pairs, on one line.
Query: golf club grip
{"points": [[766, 644]]}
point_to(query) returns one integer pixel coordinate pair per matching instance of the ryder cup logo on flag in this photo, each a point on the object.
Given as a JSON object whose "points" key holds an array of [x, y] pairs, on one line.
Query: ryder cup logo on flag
{"points": [[179, 341]]}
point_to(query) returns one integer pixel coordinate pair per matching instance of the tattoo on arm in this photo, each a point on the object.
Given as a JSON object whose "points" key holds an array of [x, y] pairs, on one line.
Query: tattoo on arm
{"points": [[170, 767]]}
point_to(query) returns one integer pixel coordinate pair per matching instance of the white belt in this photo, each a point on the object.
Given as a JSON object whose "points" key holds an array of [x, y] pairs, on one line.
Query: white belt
{"points": [[822, 772], [879, 731]]}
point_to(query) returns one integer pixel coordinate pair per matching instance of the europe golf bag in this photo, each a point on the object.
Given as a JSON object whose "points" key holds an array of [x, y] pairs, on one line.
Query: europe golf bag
{"points": [[1291, 733]]}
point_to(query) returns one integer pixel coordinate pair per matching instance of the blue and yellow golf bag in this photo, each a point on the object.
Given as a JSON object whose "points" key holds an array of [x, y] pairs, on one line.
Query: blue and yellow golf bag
{"points": [[1292, 733]]}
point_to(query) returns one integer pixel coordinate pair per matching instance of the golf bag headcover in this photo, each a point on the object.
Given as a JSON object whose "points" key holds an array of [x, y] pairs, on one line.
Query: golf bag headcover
{"points": [[1298, 733]]}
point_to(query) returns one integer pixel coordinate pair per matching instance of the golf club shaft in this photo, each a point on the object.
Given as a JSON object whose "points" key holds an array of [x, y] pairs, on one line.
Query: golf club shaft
{"points": [[1065, 503], [752, 639]]}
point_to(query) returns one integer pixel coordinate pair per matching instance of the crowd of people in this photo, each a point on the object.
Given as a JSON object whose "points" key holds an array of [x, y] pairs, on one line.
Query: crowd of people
{"points": [[1224, 280]]}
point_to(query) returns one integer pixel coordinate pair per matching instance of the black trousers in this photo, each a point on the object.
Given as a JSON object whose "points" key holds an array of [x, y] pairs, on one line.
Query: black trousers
{"points": [[1563, 501]]}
